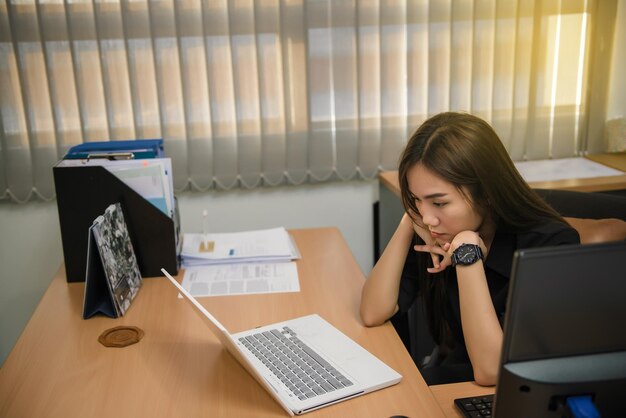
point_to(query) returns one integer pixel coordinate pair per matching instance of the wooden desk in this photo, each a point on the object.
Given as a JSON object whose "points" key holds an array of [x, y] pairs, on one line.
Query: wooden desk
{"points": [[59, 369]]}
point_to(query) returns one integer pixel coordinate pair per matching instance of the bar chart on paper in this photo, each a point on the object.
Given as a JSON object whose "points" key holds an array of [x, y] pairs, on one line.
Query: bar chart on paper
{"points": [[241, 279]]}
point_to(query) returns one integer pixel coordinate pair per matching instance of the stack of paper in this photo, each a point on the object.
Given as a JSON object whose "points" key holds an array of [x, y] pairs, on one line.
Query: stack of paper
{"points": [[267, 245]]}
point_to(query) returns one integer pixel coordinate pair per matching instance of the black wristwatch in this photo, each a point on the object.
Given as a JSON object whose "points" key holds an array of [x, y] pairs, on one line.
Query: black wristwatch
{"points": [[466, 254]]}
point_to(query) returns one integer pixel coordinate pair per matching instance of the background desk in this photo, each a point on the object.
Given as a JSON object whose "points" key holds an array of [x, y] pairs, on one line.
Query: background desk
{"points": [[59, 369], [615, 160]]}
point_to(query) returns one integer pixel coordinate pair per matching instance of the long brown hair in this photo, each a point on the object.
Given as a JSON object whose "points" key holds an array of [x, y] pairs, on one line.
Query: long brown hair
{"points": [[465, 151]]}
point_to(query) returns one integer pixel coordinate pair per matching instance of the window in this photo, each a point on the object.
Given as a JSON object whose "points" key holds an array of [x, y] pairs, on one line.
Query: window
{"points": [[264, 92]]}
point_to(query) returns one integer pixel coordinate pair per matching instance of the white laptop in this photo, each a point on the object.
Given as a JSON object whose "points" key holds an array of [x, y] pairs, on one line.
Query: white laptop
{"points": [[304, 363]]}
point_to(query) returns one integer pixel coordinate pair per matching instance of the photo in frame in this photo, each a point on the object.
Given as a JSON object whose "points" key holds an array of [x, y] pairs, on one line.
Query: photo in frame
{"points": [[112, 277]]}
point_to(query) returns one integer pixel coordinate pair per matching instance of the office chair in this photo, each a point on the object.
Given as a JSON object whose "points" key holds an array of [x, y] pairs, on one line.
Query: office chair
{"points": [[598, 217], [585, 204]]}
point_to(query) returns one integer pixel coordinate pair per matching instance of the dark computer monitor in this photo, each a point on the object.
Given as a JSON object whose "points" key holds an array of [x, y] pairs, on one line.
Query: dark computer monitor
{"points": [[565, 331]]}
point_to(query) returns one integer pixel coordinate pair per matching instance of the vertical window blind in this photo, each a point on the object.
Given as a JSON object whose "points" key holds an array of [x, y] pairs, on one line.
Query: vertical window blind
{"points": [[265, 92]]}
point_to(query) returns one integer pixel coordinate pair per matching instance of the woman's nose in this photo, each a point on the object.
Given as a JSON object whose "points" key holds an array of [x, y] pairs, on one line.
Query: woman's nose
{"points": [[430, 220]]}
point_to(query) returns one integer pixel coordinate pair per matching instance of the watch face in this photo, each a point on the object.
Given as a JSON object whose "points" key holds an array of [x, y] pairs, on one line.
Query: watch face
{"points": [[467, 254]]}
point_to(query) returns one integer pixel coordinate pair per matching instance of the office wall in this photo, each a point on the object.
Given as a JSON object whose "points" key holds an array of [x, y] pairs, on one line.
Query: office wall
{"points": [[30, 240], [30, 254]]}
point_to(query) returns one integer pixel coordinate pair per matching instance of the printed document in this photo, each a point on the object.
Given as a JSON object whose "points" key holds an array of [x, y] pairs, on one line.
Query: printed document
{"points": [[241, 279], [268, 245], [563, 168]]}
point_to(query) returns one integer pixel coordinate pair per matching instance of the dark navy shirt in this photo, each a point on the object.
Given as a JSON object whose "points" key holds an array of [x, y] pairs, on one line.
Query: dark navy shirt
{"points": [[497, 271]]}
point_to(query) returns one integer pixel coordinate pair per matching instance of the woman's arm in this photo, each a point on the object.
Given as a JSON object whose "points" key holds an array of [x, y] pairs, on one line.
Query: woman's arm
{"points": [[481, 329], [379, 299]]}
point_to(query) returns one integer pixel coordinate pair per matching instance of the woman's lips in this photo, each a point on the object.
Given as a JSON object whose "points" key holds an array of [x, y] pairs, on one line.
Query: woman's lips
{"points": [[436, 234]]}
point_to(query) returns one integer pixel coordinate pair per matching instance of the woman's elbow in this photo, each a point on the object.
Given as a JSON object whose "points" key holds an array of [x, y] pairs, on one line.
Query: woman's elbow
{"points": [[373, 315], [486, 376], [371, 318]]}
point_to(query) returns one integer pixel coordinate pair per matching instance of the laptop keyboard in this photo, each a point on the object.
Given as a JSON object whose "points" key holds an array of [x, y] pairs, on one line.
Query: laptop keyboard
{"points": [[301, 369], [476, 406]]}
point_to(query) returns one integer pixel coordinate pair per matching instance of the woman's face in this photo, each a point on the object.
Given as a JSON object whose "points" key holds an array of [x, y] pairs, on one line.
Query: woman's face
{"points": [[445, 211]]}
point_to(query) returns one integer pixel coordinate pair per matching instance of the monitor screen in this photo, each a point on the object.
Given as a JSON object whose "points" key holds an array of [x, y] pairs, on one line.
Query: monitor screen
{"points": [[565, 331]]}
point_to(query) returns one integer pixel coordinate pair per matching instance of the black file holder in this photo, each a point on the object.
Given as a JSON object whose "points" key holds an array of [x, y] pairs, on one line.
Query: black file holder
{"points": [[83, 193]]}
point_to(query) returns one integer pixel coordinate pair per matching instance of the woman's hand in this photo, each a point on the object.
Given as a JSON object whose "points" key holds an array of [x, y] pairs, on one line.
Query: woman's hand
{"points": [[442, 254], [439, 254]]}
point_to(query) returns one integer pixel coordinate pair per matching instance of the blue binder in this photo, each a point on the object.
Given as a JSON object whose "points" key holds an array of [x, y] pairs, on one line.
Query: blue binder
{"points": [[135, 149]]}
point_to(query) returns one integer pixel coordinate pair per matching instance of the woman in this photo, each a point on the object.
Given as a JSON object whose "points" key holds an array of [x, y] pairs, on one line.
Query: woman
{"points": [[467, 211]]}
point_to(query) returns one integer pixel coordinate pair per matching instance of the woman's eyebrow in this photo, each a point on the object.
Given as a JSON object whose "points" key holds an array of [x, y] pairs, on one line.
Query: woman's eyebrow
{"points": [[430, 196], [435, 195]]}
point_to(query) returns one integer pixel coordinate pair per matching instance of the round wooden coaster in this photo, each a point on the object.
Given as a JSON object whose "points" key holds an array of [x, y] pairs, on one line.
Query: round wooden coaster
{"points": [[121, 336]]}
